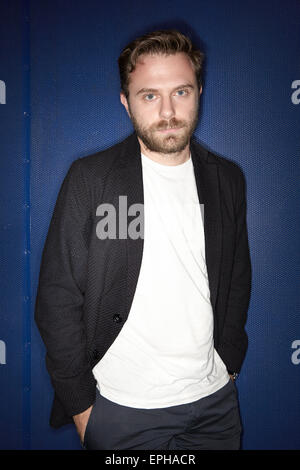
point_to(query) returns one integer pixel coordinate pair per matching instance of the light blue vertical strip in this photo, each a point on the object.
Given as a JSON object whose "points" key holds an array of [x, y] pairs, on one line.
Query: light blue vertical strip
{"points": [[26, 395]]}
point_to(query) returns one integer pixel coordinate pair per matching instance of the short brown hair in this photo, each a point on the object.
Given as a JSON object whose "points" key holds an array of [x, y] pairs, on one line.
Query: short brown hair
{"points": [[158, 42]]}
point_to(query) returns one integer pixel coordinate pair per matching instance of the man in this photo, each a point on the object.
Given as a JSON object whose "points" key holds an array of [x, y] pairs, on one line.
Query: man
{"points": [[144, 322]]}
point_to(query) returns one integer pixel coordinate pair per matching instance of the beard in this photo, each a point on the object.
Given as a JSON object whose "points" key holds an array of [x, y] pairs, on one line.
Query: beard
{"points": [[166, 144]]}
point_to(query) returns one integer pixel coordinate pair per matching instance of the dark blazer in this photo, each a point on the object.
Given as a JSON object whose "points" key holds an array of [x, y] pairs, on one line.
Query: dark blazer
{"points": [[86, 285]]}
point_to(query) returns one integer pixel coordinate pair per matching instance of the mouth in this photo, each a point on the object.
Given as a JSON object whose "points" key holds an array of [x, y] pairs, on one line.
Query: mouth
{"points": [[171, 129]]}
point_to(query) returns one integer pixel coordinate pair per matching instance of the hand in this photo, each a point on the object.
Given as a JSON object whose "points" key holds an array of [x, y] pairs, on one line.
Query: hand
{"points": [[81, 421]]}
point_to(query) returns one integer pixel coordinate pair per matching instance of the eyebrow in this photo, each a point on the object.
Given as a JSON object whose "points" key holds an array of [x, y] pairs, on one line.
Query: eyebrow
{"points": [[155, 90]]}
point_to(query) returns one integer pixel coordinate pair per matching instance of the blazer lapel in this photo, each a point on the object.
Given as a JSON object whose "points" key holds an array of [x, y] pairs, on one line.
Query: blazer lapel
{"points": [[129, 182], [207, 181]]}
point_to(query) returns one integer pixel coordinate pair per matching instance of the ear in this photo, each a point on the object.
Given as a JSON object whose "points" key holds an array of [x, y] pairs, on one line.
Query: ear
{"points": [[200, 91], [124, 102]]}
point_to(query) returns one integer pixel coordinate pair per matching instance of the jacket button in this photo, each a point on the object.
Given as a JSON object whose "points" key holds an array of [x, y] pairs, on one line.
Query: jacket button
{"points": [[117, 318]]}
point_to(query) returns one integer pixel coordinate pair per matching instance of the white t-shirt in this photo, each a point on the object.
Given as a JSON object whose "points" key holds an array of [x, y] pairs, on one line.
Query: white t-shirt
{"points": [[164, 355]]}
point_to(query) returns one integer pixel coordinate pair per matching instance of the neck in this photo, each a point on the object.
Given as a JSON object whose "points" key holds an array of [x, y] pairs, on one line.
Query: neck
{"points": [[170, 159]]}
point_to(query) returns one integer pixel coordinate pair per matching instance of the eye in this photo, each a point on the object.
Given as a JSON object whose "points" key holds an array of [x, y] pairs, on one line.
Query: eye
{"points": [[149, 97], [181, 92]]}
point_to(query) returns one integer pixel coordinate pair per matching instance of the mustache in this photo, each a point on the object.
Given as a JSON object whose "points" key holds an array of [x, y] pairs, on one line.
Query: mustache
{"points": [[172, 124]]}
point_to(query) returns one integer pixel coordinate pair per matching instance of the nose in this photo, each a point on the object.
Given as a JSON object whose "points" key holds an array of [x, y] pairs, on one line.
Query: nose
{"points": [[167, 110]]}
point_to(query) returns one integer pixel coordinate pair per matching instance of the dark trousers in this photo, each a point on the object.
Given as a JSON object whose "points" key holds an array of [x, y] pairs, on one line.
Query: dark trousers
{"points": [[211, 423]]}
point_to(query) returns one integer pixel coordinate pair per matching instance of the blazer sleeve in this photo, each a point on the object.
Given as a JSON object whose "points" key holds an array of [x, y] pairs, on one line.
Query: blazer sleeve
{"points": [[60, 296], [234, 340]]}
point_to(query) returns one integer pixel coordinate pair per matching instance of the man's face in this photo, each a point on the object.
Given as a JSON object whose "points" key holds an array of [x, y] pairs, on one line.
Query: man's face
{"points": [[163, 101]]}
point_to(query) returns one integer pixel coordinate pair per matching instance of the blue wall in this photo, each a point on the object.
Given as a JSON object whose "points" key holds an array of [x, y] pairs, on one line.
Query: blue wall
{"points": [[59, 65]]}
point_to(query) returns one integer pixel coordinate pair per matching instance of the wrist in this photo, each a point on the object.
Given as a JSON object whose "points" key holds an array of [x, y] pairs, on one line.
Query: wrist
{"points": [[233, 375]]}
